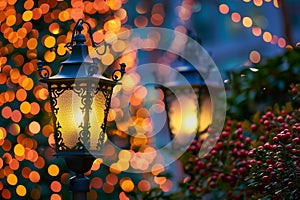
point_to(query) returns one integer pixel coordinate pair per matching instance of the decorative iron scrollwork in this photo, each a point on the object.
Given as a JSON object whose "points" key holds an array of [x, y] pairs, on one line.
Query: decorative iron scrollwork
{"points": [[43, 72], [78, 37], [118, 74]]}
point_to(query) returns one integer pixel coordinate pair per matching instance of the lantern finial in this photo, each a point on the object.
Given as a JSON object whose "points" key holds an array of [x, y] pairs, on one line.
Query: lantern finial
{"points": [[78, 37]]}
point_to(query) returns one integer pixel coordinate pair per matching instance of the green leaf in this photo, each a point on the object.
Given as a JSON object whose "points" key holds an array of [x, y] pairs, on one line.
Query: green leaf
{"points": [[276, 109], [256, 117]]}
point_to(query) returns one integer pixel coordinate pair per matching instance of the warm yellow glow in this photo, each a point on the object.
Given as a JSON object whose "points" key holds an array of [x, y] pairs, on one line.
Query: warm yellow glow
{"points": [[115, 168], [50, 41], [112, 25], [19, 150], [53, 170], [107, 59], [63, 16], [183, 115], [124, 164], [275, 2], [32, 43], [127, 185], [12, 179], [11, 20], [2, 134], [247, 22], [34, 127], [70, 117], [21, 190], [25, 107], [267, 36], [157, 169], [119, 46], [61, 49], [49, 56], [124, 155], [27, 15], [184, 118]]}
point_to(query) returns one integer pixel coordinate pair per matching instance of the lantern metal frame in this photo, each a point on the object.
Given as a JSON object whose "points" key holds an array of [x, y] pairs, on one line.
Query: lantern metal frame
{"points": [[79, 74]]}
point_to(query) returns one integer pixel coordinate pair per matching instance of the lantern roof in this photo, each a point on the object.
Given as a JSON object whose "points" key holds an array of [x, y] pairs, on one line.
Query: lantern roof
{"points": [[79, 65], [187, 75]]}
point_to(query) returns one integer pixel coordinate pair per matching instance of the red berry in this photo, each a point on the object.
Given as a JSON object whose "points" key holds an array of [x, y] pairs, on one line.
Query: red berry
{"points": [[280, 119], [234, 151], [207, 156], [275, 139], [262, 138], [199, 190], [192, 188], [267, 146], [229, 123], [270, 115], [214, 177], [239, 131], [283, 112], [296, 140], [242, 170], [250, 153], [266, 179], [253, 127], [227, 128], [212, 184], [269, 169], [225, 134], [248, 140], [294, 90], [260, 148], [214, 152], [294, 151], [239, 124], [234, 171]]}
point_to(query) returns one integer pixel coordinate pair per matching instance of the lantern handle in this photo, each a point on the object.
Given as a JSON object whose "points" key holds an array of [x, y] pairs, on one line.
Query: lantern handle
{"points": [[77, 36], [117, 75]]}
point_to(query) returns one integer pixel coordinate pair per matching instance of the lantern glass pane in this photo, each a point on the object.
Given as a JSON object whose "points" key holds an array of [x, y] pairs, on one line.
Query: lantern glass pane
{"points": [[71, 115], [183, 115], [97, 117]]}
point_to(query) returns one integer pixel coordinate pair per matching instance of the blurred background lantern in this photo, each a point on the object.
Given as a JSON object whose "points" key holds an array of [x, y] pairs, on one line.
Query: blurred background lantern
{"points": [[80, 101], [188, 104]]}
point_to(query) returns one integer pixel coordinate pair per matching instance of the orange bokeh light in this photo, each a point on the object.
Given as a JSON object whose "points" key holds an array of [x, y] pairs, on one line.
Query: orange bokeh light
{"points": [[223, 8], [34, 176]]}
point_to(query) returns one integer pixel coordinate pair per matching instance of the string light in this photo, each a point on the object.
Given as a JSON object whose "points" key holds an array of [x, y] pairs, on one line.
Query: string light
{"points": [[248, 22]]}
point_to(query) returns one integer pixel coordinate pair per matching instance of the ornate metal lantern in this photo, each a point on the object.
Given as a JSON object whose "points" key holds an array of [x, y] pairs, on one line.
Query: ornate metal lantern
{"points": [[187, 103], [80, 101]]}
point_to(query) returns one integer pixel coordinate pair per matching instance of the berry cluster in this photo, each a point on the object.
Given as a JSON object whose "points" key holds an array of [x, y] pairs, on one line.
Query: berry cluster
{"points": [[274, 161], [221, 172]]}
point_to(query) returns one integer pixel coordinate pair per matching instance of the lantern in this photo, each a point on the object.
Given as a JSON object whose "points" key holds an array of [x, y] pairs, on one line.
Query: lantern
{"points": [[187, 103], [80, 101]]}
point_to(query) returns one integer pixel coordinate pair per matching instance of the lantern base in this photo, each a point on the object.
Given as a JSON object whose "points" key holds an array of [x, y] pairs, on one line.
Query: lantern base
{"points": [[79, 185], [78, 162]]}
